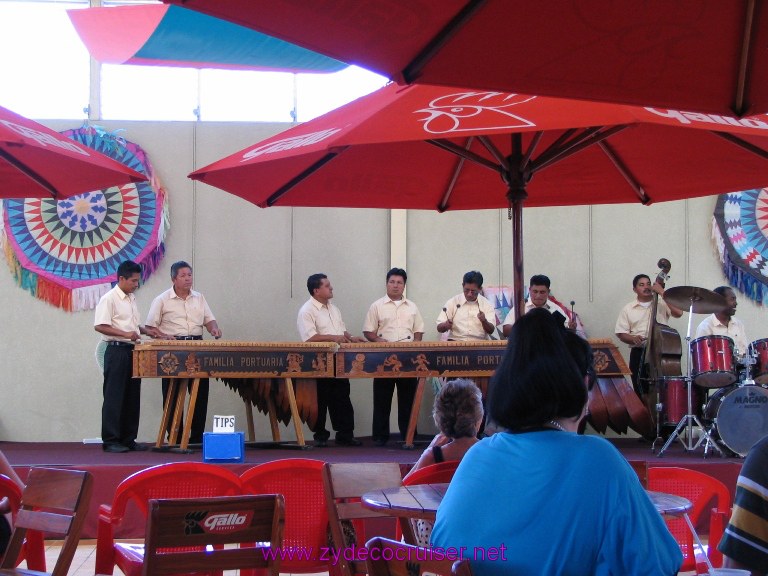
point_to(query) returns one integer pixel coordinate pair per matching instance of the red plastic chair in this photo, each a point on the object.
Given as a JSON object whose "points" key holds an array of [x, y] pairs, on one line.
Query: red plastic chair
{"points": [[175, 480], [33, 550], [300, 481], [701, 489], [441, 472]]}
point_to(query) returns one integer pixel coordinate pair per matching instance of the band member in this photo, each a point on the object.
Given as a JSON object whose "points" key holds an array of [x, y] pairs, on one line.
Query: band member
{"points": [[117, 318], [538, 297], [320, 321], [634, 320], [393, 318], [465, 316], [182, 313], [725, 323]]}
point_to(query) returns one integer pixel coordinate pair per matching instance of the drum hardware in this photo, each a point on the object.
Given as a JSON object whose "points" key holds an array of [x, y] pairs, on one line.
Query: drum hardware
{"points": [[697, 301]]}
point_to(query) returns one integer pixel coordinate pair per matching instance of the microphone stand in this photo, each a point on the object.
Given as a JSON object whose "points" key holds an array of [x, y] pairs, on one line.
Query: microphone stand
{"points": [[690, 420]]}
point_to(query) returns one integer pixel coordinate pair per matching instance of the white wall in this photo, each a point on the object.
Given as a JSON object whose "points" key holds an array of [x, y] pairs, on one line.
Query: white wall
{"points": [[252, 265]]}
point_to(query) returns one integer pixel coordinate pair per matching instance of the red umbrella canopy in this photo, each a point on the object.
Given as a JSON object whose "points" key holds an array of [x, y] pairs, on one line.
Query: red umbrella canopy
{"points": [[36, 162], [686, 54], [438, 148]]}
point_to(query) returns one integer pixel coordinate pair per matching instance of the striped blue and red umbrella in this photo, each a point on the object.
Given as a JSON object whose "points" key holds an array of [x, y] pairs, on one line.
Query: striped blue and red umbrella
{"points": [[160, 35]]}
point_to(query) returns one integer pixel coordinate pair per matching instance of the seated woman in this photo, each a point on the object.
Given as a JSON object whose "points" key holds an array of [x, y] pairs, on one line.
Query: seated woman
{"points": [[537, 498], [458, 413]]}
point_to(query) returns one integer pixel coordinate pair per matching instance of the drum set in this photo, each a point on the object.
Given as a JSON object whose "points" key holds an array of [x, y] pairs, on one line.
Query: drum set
{"points": [[728, 398]]}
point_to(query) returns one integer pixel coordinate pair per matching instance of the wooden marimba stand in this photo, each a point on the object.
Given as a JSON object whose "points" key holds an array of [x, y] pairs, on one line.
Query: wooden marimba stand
{"points": [[181, 360], [476, 360]]}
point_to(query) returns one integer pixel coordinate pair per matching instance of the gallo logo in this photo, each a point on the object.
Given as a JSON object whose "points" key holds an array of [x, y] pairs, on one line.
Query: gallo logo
{"points": [[44, 139], [230, 522], [695, 117], [289, 143]]}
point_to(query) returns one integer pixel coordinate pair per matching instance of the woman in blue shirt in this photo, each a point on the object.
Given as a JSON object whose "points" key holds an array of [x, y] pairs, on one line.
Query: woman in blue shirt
{"points": [[538, 498]]}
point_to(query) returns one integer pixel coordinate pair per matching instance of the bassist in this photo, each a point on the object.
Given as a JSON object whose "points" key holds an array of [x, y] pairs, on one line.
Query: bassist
{"points": [[632, 326]]}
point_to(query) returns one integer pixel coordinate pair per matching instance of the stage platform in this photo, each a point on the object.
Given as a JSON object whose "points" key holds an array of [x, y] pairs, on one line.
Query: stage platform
{"points": [[110, 469]]}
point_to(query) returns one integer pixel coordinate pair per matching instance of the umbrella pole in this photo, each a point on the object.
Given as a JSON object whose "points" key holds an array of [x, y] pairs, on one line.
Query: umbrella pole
{"points": [[516, 215]]}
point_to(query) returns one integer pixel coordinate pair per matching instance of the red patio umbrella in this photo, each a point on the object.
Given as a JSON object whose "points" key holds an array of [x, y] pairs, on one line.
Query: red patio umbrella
{"points": [[426, 147], [707, 56], [37, 162]]}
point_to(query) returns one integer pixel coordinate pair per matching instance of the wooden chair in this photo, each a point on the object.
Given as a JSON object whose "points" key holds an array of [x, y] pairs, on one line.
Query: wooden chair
{"points": [[391, 558], [55, 502], [300, 481], [702, 490], [190, 534], [174, 480], [33, 549], [344, 484]]}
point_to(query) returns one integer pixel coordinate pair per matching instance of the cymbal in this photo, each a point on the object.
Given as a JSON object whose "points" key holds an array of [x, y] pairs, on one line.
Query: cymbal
{"points": [[704, 301]]}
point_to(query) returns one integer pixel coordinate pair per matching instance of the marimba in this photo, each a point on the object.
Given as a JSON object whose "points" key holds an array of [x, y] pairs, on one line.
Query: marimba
{"points": [[181, 360], [477, 360]]}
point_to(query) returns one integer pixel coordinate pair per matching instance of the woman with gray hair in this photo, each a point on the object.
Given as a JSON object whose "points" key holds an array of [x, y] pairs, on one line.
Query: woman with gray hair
{"points": [[458, 413]]}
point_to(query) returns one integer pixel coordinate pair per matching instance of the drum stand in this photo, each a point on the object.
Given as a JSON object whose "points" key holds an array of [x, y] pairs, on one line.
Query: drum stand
{"points": [[690, 420]]}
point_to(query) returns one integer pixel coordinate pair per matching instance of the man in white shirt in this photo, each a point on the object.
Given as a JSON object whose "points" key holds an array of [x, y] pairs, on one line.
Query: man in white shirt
{"points": [[320, 321], [117, 319], [393, 318], [538, 297], [725, 323], [182, 313], [466, 316], [634, 319]]}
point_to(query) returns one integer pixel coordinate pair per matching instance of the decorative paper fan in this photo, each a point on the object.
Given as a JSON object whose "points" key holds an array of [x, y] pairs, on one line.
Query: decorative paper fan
{"points": [[740, 229], [67, 252]]}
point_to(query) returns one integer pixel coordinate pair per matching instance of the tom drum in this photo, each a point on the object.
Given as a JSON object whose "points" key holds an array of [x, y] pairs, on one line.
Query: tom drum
{"points": [[740, 414], [673, 398], [759, 352], [712, 361]]}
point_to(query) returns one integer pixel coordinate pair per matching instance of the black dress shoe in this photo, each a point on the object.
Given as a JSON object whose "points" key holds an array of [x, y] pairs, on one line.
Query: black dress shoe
{"points": [[351, 441], [321, 443], [134, 447], [115, 448], [379, 442]]}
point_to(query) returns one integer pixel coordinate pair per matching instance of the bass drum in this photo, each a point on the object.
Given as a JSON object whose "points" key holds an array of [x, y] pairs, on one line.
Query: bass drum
{"points": [[740, 414]]}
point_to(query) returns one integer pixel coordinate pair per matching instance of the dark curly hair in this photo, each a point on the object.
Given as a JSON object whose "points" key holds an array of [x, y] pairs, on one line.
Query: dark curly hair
{"points": [[458, 408]]}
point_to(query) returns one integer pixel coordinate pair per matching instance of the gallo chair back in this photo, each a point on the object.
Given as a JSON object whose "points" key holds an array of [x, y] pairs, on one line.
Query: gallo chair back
{"points": [[33, 549], [344, 484], [701, 489], [300, 481], [442, 472], [394, 558], [55, 502], [175, 480], [190, 534]]}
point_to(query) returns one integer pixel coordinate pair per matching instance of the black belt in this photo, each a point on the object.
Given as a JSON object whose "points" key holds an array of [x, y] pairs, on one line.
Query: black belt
{"points": [[118, 343], [188, 337]]}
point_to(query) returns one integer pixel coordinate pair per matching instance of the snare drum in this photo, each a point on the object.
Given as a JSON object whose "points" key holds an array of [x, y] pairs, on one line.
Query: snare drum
{"points": [[740, 414], [673, 396], [759, 352], [712, 361]]}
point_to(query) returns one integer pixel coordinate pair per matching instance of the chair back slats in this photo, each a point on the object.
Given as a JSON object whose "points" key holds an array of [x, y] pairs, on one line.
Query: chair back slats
{"points": [[43, 521], [54, 501], [189, 535], [344, 484]]}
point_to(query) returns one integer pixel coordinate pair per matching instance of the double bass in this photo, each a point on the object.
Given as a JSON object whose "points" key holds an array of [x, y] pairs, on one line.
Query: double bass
{"points": [[663, 348]]}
